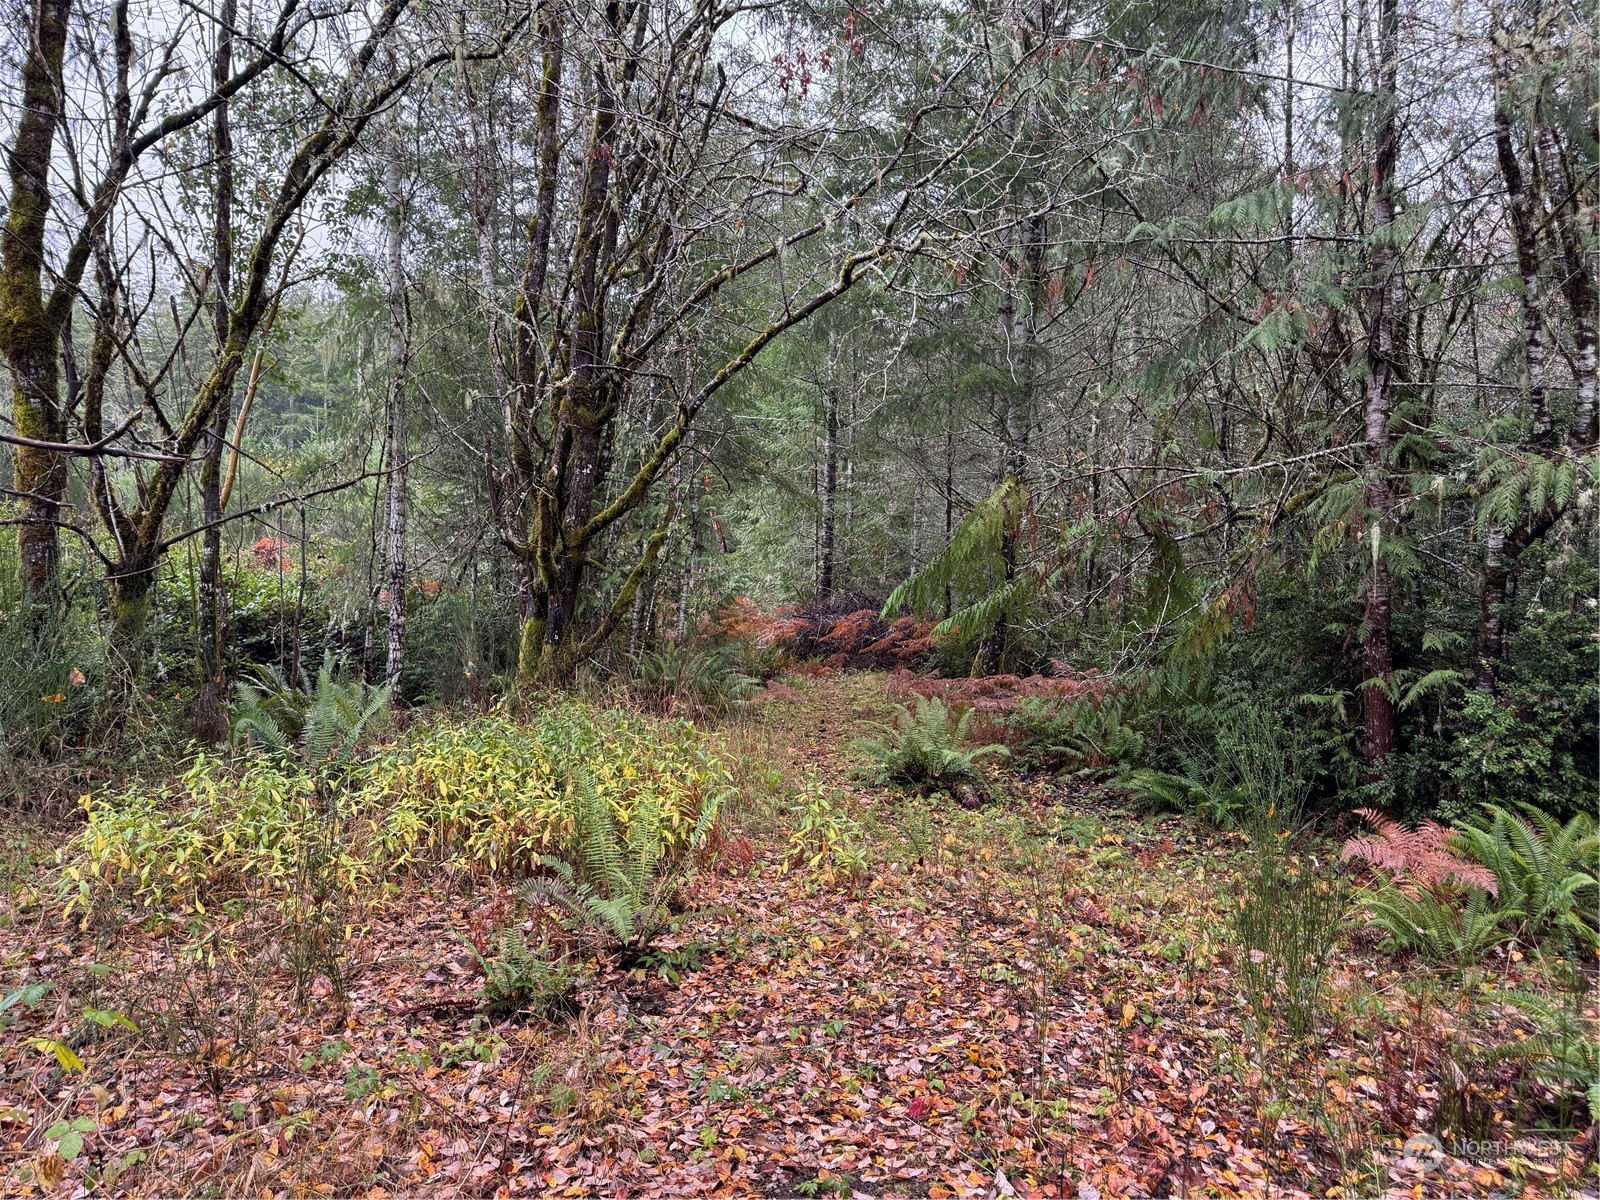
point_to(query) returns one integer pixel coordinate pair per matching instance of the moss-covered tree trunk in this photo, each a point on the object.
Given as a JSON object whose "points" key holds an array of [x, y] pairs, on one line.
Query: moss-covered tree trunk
{"points": [[32, 319]]}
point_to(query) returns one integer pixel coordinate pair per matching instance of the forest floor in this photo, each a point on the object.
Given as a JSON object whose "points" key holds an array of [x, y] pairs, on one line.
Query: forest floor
{"points": [[1035, 998]]}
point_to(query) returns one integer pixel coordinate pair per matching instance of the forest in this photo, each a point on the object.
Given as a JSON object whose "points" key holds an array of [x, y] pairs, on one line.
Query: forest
{"points": [[814, 598]]}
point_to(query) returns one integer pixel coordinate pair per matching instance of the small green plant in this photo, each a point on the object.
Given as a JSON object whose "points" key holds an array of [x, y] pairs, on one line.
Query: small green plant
{"points": [[69, 1135], [1076, 828], [518, 977], [470, 1049], [28, 996], [673, 965], [323, 725], [920, 750], [824, 1184], [329, 1050], [823, 837], [1286, 926], [361, 1081], [916, 826], [622, 871]]}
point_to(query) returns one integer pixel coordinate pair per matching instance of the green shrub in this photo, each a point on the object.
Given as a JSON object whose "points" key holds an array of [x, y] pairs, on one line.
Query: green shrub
{"points": [[54, 679], [212, 831], [920, 750], [826, 839], [1286, 926], [489, 794], [1255, 770]]}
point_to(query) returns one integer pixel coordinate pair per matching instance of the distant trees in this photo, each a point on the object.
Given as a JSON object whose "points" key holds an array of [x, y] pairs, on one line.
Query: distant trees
{"points": [[1088, 320]]}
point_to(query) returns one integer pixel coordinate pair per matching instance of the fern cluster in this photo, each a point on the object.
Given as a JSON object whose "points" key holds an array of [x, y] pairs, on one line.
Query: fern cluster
{"points": [[1547, 875], [323, 725], [619, 872], [920, 750], [1453, 894], [1087, 736]]}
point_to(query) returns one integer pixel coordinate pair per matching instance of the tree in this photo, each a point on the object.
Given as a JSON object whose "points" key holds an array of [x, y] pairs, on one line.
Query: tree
{"points": [[646, 143], [34, 314]]}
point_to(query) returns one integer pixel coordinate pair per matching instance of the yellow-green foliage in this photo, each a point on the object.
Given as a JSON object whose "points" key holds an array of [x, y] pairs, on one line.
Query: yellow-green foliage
{"points": [[496, 794], [213, 829], [489, 794]]}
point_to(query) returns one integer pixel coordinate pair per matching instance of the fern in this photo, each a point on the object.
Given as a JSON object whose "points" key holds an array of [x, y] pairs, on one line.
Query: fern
{"points": [[618, 875], [324, 724], [1545, 872], [969, 566], [920, 750], [1441, 929], [1562, 1052], [517, 976], [1511, 485], [1419, 858], [707, 680]]}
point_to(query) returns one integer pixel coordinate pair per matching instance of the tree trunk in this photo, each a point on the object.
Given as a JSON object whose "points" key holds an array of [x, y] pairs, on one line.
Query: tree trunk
{"points": [[31, 324], [830, 491], [394, 506], [1019, 328], [1520, 215], [210, 719], [1384, 288]]}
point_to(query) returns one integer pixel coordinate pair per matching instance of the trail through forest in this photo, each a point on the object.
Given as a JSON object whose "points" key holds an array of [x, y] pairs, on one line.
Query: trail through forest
{"points": [[862, 994]]}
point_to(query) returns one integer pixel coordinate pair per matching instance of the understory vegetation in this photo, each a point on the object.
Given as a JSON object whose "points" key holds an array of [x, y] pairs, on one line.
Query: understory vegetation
{"points": [[681, 597]]}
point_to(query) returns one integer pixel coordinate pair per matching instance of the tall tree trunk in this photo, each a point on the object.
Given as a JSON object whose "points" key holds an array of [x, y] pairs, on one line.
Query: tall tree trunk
{"points": [[394, 506], [1383, 319], [830, 490], [1019, 317], [1500, 555], [30, 323], [1520, 204], [210, 722]]}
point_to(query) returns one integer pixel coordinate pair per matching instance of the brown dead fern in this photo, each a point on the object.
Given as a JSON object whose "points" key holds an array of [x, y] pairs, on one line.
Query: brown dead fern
{"points": [[1418, 858]]}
